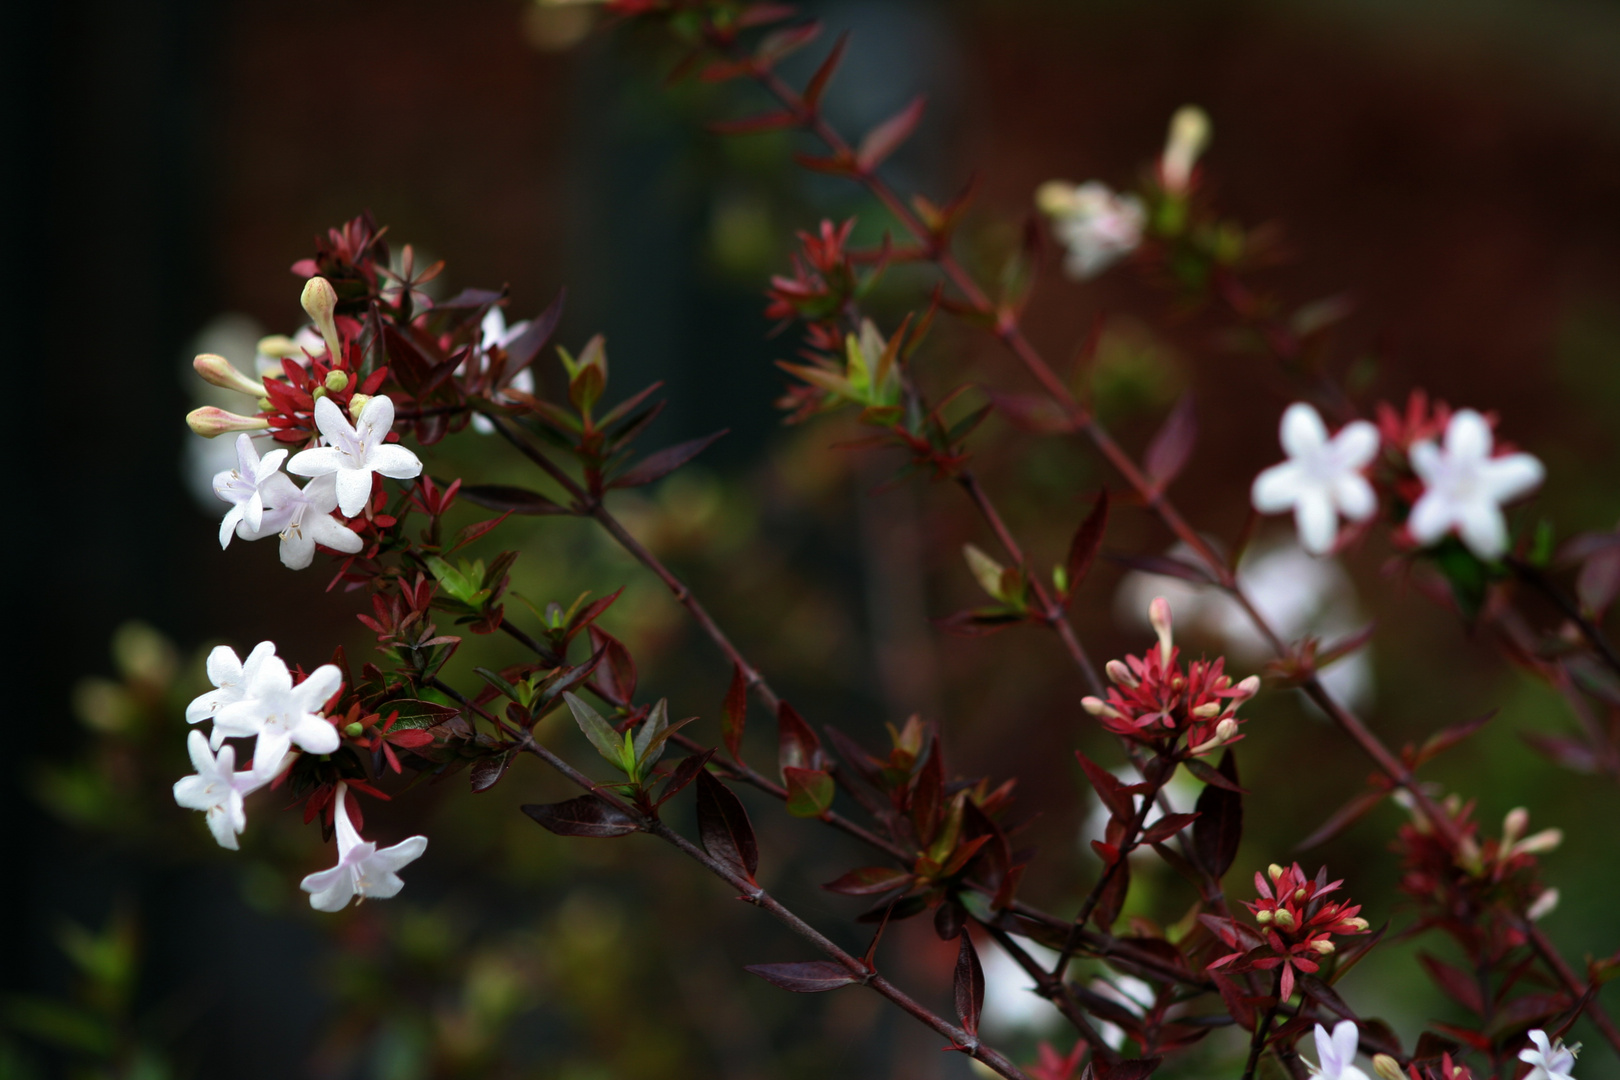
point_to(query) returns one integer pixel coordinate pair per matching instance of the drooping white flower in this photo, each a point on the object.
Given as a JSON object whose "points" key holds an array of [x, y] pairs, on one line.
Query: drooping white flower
{"points": [[1465, 487], [230, 677], [1548, 1060], [1337, 1052], [1095, 225], [217, 789], [302, 517], [242, 487], [362, 870], [353, 452], [282, 714], [1322, 477], [493, 332]]}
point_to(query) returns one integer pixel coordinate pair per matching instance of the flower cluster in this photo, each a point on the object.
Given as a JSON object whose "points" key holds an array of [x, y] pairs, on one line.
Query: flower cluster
{"points": [[1467, 885], [1457, 485], [1297, 924], [1153, 700]]}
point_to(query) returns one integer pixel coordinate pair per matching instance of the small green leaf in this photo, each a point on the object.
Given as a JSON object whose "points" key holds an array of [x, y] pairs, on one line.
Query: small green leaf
{"points": [[598, 731], [657, 720], [988, 572]]}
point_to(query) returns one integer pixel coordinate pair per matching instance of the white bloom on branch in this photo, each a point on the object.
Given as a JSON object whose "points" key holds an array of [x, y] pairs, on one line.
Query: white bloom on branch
{"points": [[1337, 1052], [282, 714], [1095, 225], [1322, 478], [354, 452], [1465, 487], [1548, 1060], [302, 517], [494, 333], [217, 789], [362, 869], [243, 487], [230, 677]]}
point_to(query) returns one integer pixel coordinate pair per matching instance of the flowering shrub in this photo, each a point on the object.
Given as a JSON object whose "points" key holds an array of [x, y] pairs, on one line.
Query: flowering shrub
{"points": [[354, 404]]}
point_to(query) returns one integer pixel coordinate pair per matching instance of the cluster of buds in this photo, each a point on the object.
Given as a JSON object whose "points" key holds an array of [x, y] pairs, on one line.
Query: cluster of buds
{"points": [[1297, 925], [1467, 882], [1154, 701], [822, 283]]}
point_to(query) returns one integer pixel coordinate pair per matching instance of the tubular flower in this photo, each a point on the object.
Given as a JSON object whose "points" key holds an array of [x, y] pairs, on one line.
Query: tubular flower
{"points": [[1297, 925], [243, 487], [281, 713], [1154, 699], [1548, 1060], [230, 677], [354, 452], [217, 789], [1337, 1052], [1322, 478], [1478, 879], [362, 870], [302, 517]]}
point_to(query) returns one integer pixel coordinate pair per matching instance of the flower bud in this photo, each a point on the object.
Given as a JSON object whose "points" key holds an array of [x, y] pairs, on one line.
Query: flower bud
{"points": [[986, 571], [281, 347], [1285, 919], [1545, 840], [1159, 616], [1098, 707], [1299, 895], [1514, 825], [220, 372], [1263, 918], [1121, 675], [1055, 198], [354, 730], [1358, 924], [1323, 946], [1188, 139], [209, 422], [1208, 711], [1226, 730], [1248, 688], [320, 301], [1274, 871], [357, 405], [1387, 1068], [337, 381], [1542, 906]]}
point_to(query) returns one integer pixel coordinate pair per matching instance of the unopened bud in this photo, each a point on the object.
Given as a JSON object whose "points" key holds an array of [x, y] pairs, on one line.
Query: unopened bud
{"points": [[1387, 1068], [320, 301], [1208, 710], [209, 422], [1514, 825], [354, 730], [1248, 687], [986, 571], [1225, 732], [1188, 139], [1545, 840], [1263, 918], [218, 371], [1323, 946], [1098, 707], [1285, 919], [1121, 675], [281, 347], [1159, 616], [1274, 871], [1055, 198], [1299, 896], [1358, 924], [1542, 906], [337, 381], [357, 405]]}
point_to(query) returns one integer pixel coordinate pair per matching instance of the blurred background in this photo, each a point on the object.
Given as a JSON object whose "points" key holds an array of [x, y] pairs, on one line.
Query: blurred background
{"points": [[1454, 167]]}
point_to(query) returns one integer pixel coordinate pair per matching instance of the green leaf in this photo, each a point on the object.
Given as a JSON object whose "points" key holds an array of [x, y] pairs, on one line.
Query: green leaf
{"points": [[657, 720], [810, 792], [598, 731]]}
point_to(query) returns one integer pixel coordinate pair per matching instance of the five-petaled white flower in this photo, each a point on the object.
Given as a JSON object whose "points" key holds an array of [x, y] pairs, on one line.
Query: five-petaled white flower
{"points": [[353, 452], [282, 714], [217, 789], [1337, 1052], [493, 332], [1322, 477], [230, 677], [1465, 487], [362, 870], [1095, 225], [243, 487], [1549, 1060], [302, 517]]}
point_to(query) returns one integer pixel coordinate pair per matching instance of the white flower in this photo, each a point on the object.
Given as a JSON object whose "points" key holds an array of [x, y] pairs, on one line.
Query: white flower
{"points": [[242, 487], [362, 870], [282, 714], [1094, 224], [302, 517], [1549, 1060], [1465, 487], [1337, 1052], [1322, 477], [353, 452], [493, 332], [217, 789], [230, 676]]}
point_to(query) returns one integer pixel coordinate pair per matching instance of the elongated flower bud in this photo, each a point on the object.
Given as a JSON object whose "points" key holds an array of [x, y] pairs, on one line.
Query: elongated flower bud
{"points": [[281, 347], [1514, 825], [1121, 675], [1545, 840], [1159, 616], [209, 422], [1055, 198], [220, 372], [1387, 1068], [320, 301], [1188, 139]]}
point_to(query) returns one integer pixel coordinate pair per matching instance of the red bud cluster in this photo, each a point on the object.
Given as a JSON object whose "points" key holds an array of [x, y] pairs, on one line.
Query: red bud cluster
{"points": [[1297, 925]]}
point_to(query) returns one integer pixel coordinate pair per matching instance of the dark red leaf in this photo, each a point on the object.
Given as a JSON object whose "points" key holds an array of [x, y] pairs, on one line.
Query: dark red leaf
{"points": [[1219, 827], [1112, 897], [1237, 1002], [1131, 1069], [660, 464], [1456, 983], [886, 138], [1164, 566], [869, 881], [1207, 773], [1167, 826], [584, 816], [818, 82], [969, 984], [785, 42], [798, 747], [1087, 541], [724, 828], [1172, 446], [487, 772], [616, 674], [1342, 818], [683, 774], [809, 977], [735, 717], [1109, 789], [777, 120], [1447, 737], [474, 531], [928, 795], [810, 791], [512, 500], [1572, 755], [521, 350]]}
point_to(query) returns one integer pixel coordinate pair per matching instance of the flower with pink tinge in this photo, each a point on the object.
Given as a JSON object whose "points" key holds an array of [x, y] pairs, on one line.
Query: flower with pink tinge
{"points": [[281, 714], [217, 789], [1464, 486], [1337, 1052], [1548, 1060], [354, 452], [243, 487], [1322, 477], [230, 677], [362, 869], [302, 517]]}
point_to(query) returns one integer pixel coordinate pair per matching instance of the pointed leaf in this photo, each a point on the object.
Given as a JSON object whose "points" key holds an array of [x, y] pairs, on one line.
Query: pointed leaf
{"points": [[1087, 541], [660, 464], [969, 985], [735, 717], [809, 977], [798, 746], [869, 881], [513, 500], [886, 138], [1172, 446], [818, 82], [487, 772], [521, 350], [810, 792], [1109, 789], [724, 828], [683, 774], [607, 741], [657, 721], [584, 816], [1219, 827], [1342, 818]]}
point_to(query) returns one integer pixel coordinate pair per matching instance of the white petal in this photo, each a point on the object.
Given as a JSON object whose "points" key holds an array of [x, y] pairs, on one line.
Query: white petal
{"points": [[1356, 445], [322, 683], [223, 666], [1277, 488], [315, 735], [252, 513], [1318, 522], [330, 419], [227, 525], [321, 493], [493, 327], [1509, 477], [378, 416], [353, 490], [1325, 1051], [297, 548], [330, 890], [201, 759], [1482, 528], [279, 490], [270, 463], [394, 461], [1345, 1038], [205, 705], [317, 461], [191, 793], [269, 750], [1355, 497], [1426, 460], [1302, 430], [220, 824], [261, 655], [401, 854], [1468, 436], [1431, 518], [247, 458], [324, 529]]}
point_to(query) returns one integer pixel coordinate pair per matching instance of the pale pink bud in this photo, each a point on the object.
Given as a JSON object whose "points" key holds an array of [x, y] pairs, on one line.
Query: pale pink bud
{"points": [[1248, 688], [220, 372], [1545, 840], [1098, 707], [1514, 825], [1322, 946], [1542, 906], [209, 422], [1159, 616], [320, 301], [1121, 675], [1188, 139]]}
